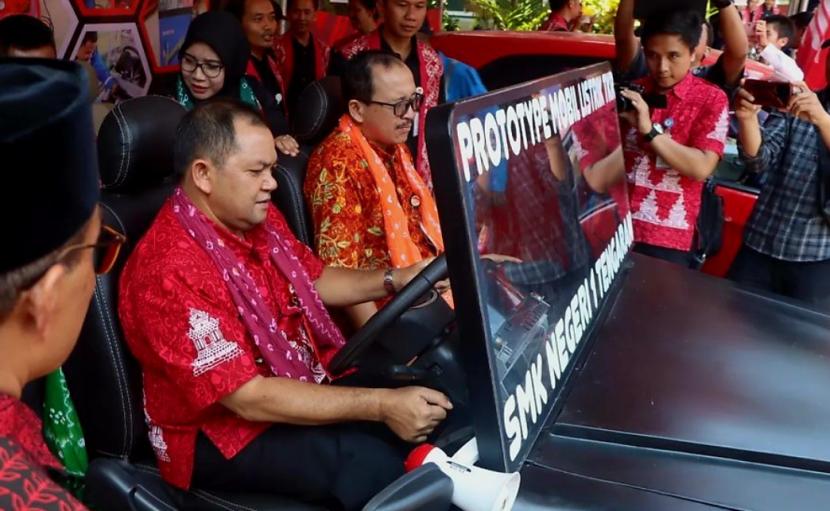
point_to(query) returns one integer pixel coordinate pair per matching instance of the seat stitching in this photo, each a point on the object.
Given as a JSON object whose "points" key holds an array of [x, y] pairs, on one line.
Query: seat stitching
{"points": [[105, 318], [219, 501], [122, 136], [113, 345], [119, 180]]}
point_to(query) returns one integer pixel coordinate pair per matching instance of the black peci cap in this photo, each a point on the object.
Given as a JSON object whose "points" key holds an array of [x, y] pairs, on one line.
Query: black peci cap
{"points": [[48, 163]]}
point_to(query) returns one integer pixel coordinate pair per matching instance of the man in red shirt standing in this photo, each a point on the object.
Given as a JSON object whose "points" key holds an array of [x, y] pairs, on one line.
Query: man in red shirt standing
{"points": [[224, 309], [670, 152], [302, 58], [563, 15], [51, 224]]}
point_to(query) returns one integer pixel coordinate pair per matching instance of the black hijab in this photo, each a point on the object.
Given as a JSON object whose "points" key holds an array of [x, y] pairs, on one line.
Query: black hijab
{"points": [[223, 33]]}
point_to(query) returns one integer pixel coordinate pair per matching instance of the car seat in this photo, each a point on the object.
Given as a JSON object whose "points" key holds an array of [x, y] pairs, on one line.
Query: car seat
{"points": [[323, 105]]}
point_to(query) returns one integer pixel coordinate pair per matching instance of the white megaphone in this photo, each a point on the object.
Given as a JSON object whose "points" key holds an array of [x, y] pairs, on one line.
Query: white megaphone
{"points": [[474, 489]]}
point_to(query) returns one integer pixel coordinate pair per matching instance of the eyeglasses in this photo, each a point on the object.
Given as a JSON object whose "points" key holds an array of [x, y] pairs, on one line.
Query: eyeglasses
{"points": [[402, 107], [106, 249], [211, 68]]}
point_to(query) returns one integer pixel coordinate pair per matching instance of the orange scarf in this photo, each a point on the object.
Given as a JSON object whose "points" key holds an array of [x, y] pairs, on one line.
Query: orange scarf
{"points": [[402, 250]]}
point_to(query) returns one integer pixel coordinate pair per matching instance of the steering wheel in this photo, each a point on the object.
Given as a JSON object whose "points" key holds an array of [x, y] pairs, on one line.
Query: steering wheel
{"points": [[403, 300]]}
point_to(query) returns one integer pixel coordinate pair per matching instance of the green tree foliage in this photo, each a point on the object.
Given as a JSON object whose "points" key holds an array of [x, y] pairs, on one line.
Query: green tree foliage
{"points": [[510, 14], [529, 14], [604, 12]]}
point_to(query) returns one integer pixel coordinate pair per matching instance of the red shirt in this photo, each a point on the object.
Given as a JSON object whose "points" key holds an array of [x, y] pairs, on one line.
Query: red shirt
{"points": [[555, 23], [664, 204], [24, 458], [180, 322]]}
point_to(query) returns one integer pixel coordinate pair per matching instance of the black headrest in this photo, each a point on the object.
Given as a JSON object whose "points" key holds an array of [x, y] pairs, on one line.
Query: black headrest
{"points": [[135, 143], [318, 109]]}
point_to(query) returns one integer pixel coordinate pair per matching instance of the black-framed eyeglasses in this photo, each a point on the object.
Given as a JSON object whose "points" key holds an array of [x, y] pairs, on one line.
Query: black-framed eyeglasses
{"points": [[106, 249], [211, 68], [402, 107]]}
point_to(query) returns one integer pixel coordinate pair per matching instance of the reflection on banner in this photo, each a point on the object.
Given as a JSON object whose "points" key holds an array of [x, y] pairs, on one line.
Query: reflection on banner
{"points": [[550, 238]]}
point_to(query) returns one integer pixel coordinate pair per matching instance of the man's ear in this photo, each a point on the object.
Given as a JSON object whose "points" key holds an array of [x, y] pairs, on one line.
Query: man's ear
{"points": [[39, 303], [201, 172], [357, 111], [782, 42]]}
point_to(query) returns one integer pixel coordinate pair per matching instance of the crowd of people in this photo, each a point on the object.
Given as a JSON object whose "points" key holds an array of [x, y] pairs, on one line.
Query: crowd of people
{"points": [[219, 256]]}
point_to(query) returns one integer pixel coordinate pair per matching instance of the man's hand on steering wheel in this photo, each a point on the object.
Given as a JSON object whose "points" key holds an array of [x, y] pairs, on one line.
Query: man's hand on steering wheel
{"points": [[402, 276], [413, 412]]}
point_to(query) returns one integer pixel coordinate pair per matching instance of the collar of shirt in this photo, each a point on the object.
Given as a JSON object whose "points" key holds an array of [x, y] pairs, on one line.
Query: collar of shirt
{"points": [[557, 22], [299, 49], [680, 90], [253, 242], [411, 59]]}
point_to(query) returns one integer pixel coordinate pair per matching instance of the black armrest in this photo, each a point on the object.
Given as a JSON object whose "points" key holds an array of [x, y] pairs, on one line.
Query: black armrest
{"points": [[425, 488]]}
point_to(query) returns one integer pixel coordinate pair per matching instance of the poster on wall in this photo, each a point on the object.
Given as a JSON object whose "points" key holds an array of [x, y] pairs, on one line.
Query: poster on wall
{"points": [[165, 25], [115, 52]]}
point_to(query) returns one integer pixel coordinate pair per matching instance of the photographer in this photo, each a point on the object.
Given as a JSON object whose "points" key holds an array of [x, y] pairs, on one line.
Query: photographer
{"points": [[725, 73], [787, 239], [670, 151]]}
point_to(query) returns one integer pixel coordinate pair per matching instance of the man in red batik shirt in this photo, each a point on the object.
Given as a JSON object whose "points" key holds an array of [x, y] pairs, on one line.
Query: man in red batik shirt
{"points": [[361, 183], [224, 309], [670, 152], [46, 280], [563, 15], [402, 19]]}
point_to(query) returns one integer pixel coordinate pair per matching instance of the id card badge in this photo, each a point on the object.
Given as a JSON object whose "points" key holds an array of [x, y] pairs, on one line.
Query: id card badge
{"points": [[415, 125]]}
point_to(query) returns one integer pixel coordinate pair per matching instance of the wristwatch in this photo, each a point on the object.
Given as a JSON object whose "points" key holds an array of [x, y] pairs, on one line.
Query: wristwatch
{"points": [[721, 4], [656, 129], [389, 282]]}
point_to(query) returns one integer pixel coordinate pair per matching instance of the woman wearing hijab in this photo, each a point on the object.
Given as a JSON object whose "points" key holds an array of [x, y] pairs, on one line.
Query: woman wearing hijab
{"points": [[213, 59]]}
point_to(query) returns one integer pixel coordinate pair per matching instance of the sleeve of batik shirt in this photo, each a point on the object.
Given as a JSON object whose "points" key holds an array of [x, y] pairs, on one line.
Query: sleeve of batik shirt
{"points": [[188, 329], [339, 222], [712, 123]]}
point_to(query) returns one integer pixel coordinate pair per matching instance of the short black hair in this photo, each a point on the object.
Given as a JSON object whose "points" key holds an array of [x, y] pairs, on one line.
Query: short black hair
{"points": [[557, 5], [357, 79], [370, 5], [208, 132], [237, 8], [684, 23], [24, 32], [784, 26], [802, 19], [289, 4], [90, 36]]}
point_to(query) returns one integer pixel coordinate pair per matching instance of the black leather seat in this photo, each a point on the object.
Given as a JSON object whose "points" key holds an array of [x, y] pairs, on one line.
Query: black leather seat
{"points": [[322, 106], [135, 153]]}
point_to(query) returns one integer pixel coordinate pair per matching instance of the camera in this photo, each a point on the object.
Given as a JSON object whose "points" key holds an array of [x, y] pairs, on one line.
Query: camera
{"points": [[654, 101]]}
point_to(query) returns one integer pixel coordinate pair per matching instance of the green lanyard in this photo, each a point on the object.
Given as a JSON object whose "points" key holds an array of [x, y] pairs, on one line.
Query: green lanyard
{"points": [[62, 429]]}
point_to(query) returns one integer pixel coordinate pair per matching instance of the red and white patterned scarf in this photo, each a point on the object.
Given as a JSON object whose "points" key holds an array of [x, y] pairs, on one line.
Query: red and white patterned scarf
{"points": [[281, 357]]}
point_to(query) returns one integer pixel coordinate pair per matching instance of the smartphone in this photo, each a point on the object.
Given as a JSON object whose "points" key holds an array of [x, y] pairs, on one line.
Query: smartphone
{"points": [[769, 94]]}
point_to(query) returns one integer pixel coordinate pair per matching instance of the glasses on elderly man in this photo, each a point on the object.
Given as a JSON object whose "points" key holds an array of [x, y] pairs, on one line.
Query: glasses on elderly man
{"points": [[401, 107], [211, 68]]}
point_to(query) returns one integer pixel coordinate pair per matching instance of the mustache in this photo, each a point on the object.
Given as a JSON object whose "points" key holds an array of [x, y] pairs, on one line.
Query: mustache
{"points": [[403, 125]]}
